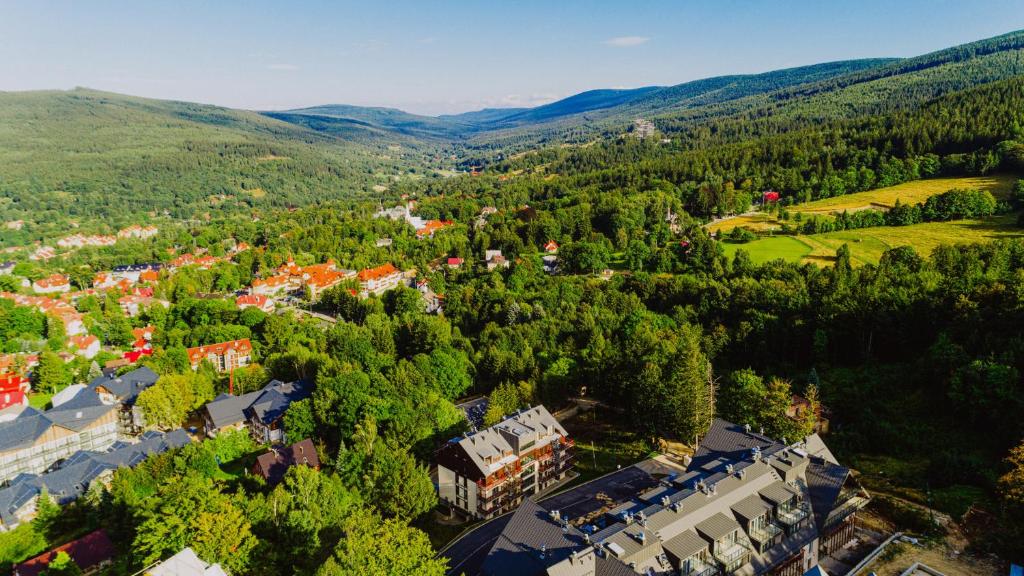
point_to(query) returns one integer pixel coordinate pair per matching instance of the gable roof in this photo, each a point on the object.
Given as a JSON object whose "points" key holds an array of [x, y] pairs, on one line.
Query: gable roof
{"points": [[198, 353], [530, 543], [266, 405], [88, 551], [128, 386], [185, 563], [274, 464]]}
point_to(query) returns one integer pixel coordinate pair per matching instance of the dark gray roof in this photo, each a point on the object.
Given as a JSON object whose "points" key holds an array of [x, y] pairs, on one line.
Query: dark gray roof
{"points": [[731, 442], [266, 405], [824, 482], [226, 410], [126, 386], [778, 493], [685, 544], [530, 543], [72, 479], [30, 424]]}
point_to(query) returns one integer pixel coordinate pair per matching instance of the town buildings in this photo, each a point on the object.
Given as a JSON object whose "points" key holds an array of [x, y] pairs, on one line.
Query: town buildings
{"points": [[261, 411], [86, 345], [74, 475], [378, 280], [225, 356], [489, 472], [495, 259], [52, 284], [136, 231], [258, 301], [747, 504], [122, 391]]}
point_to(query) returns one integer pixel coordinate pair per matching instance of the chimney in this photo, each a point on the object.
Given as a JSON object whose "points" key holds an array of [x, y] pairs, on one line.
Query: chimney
{"points": [[747, 428], [586, 537]]}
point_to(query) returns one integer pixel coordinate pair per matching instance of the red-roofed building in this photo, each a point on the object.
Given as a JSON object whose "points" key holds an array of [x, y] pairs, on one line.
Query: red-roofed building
{"points": [[551, 247], [51, 284], [86, 345], [255, 300], [431, 226], [91, 553], [455, 262], [378, 280], [224, 356], [144, 333], [272, 285], [770, 196], [13, 390]]}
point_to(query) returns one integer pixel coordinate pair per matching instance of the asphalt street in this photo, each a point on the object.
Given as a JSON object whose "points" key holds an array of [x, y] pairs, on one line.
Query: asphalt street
{"points": [[466, 555]]}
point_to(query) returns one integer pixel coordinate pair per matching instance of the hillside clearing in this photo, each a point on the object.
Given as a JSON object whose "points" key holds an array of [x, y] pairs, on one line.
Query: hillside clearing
{"points": [[881, 199], [868, 244]]}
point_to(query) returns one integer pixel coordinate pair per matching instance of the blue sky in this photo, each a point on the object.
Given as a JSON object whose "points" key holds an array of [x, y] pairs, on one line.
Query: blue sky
{"points": [[446, 56]]}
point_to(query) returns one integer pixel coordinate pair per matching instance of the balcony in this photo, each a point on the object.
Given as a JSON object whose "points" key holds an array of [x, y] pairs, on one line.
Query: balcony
{"points": [[699, 567], [792, 515], [731, 556], [764, 535], [846, 505]]}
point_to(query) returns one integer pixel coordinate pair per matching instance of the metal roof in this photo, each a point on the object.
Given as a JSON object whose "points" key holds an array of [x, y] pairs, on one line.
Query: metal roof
{"points": [[778, 492], [685, 544], [718, 526], [751, 507]]}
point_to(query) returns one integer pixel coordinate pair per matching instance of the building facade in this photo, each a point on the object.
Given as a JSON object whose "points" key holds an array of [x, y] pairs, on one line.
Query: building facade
{"points": [[225, 356], [489, 472]]}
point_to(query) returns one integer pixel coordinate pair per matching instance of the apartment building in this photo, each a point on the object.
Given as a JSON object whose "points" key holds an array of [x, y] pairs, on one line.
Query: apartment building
{"points": [[32, 441], [261, 411], [225, 356], [489, 472], [378, 280], [746, 505]]}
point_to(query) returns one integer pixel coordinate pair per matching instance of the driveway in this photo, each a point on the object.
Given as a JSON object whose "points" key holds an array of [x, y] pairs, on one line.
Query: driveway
{"points": [[466, 555]]}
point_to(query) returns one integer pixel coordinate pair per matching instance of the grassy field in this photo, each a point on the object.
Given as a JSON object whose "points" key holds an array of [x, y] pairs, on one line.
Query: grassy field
{"points": [[767, 249], [883, 198], [868, 244], [604, 443]]}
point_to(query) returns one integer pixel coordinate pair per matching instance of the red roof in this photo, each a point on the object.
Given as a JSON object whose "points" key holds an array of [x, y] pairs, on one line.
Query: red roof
{"points": [[242, 346], [455, 261], [256, 300], [377, 273], [88, 551]]}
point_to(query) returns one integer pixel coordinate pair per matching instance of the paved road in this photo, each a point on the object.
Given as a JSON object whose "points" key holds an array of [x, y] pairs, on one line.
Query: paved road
{"points": [[466, 556]]}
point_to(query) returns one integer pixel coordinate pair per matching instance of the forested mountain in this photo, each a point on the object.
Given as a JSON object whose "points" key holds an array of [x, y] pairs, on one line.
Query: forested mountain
{"points": [[87, 154]]}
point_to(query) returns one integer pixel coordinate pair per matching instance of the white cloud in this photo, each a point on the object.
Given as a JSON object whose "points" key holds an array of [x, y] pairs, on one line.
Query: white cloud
{"points": [[282, 67], [626, 41]]}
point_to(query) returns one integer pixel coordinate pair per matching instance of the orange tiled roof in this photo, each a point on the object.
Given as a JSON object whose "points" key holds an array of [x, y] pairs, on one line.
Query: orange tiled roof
{"points": [[243, 346], [378, 272]]}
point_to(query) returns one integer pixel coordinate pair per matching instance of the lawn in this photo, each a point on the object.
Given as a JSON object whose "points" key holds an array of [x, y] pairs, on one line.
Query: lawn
{"points": [[39, 400], [788, 248], [868, 244], [604, 442], [882, 198]]}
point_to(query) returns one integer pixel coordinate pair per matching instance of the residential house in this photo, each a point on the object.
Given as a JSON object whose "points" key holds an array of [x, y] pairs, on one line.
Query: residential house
{"points": [[383, 242], [91, 553], [261, 411], [42, 253], [33, 441], [272, 285], [137, 272], [136, 231], [255, 301], [551, 247], [133, 304], [7, 267], [184, 563], [433, 302], [798, 408], [144, 333], [488, 473], [430, 227], [495, 259], [378, 280], [455, 263], [14, 390], [52, 284], [550, 263], [273, 465], [87, 345], [225, 356], [746, 505], [123, 391], [15, 224], [81, 241], [73, 477]]}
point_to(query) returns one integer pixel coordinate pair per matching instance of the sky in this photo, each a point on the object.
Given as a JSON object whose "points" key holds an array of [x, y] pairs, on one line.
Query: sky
{"points": [[449, 56]]}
